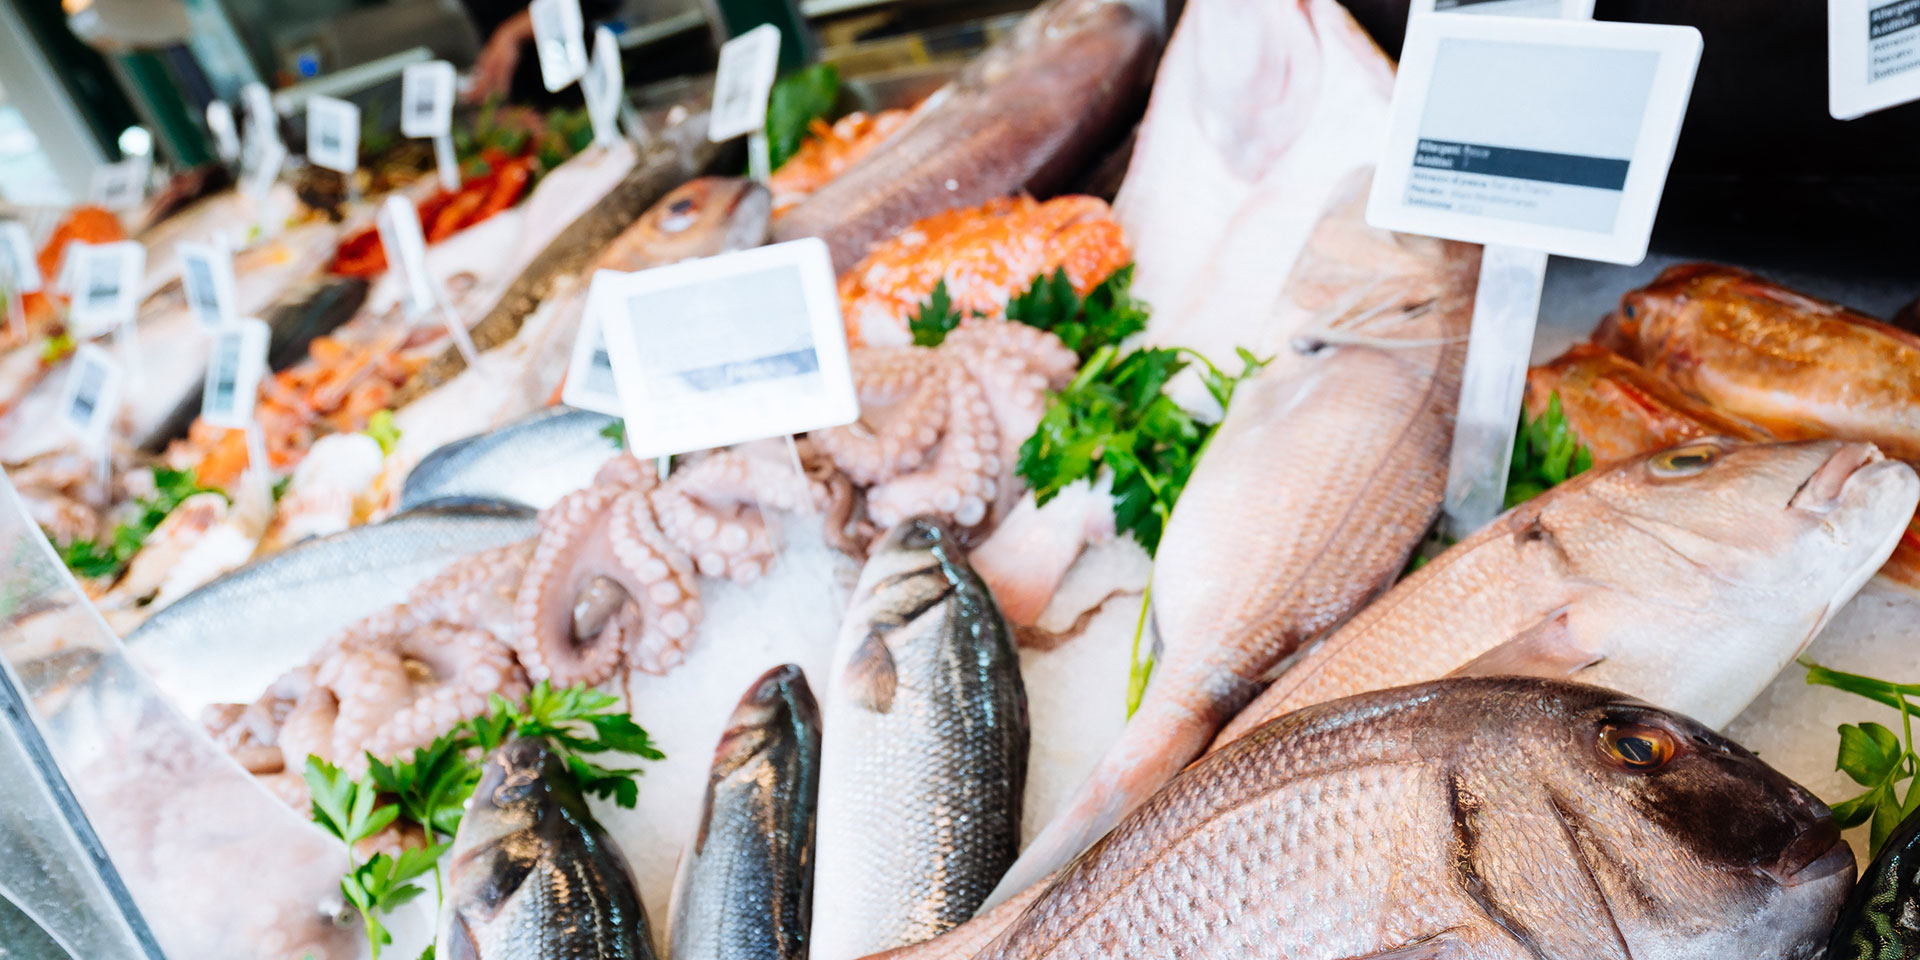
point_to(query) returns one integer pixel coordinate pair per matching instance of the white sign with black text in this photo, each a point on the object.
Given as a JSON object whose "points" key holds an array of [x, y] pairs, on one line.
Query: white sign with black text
{"points": [[559, 36], [91, 396], [206, 274], [226, 136], [19, 270], [237, 362], [426, 99], [748, 64], [399, 226], [726, 349], [105, 286], [1553, 135], [121, 186], [590, 384], [1873, 55], [333, 134], [603, 86]]}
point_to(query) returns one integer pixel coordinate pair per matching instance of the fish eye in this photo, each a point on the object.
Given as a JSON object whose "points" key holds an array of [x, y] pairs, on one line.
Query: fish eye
{"points": [[1636, 747], [1685, 461]]}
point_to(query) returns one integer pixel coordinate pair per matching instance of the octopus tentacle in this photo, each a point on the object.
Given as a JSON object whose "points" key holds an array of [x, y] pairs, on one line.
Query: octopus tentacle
{"points": [[571, 549], [454, 670], [902, 413], [713, 510], [660, 579], [963, 477]]}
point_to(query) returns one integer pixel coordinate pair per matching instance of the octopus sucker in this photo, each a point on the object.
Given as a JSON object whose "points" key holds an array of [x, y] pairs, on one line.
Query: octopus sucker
{"points": [[576, 545], [661, 583]]}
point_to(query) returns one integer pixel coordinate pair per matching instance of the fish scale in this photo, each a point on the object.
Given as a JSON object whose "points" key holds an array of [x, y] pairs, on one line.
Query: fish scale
{"points": [[920, 801]]}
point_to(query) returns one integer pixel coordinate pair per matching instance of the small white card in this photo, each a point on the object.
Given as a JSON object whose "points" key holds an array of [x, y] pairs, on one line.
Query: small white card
{"points": [[426, 99], [91, 395], [262, 121], [559, 34], [1873, 55], [748, 64], [333, 134], [226, 136], [267, 162], [121, 186], [603, 86], [590, 384], [18, 267], [234, 368], [1552, 135], [105, 284], [206, 272], [726, 349], [1563, 9], [399, 225]]}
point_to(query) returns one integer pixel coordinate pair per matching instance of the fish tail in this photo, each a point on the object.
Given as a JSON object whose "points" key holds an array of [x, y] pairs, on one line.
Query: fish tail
{"points": [[1158, 742]]}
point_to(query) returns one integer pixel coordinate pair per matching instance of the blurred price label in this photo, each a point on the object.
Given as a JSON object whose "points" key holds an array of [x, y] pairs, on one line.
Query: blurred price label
{"points": [[234, 368], [590, 384], [603, 86], [333, 134], [121, 186], [206, 272], [91, 395], [399, 226], [559, 35], [426, 97], [1873, 55], [105, 286], [226, 136], [748, 63], [21, 270]]}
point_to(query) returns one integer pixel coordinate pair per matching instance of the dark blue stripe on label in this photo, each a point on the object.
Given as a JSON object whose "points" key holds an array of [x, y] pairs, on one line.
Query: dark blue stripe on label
{"points": [[1892, 18], [1571, 169], [1450, 4]]}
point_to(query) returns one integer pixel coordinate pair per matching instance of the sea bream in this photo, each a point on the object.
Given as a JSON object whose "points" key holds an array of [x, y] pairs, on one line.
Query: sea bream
{"points": [[1688, 578], [1468, 819], [1324, 476], [745, 889], [533, 876], [925, 756]]}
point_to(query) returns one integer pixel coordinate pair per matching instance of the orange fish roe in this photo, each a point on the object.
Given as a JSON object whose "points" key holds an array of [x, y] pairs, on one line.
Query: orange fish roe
{"points": [[986, 255], [828, 152]]}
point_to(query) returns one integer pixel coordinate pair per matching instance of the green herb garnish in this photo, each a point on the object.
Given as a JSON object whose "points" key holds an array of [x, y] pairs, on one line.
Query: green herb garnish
{"points": [[1109, 314], [1545, 454], [935, 319], [616, 434], [381, 428], [349, 810], [796, 100], [1873, 756], [91, 559]]}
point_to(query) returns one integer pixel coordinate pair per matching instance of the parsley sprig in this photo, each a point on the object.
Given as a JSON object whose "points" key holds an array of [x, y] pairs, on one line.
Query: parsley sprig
{"points": [[91, 559], [1107, 315], [1545, 454], [1874, 756], [430, 788]]}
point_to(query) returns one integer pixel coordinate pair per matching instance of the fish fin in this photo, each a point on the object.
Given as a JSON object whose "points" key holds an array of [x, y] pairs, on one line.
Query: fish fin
{"points": [[460, 944], [870, 676], [1438, 947], [1545, 649]]}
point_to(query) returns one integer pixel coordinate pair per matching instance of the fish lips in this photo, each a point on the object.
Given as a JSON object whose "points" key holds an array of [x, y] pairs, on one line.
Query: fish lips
{"points": [[1857, 472], [1816, 854]]}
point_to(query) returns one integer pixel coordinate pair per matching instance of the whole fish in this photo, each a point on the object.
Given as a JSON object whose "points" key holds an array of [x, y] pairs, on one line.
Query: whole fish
{"points": [[534, 461], [1025, 116], [1325, 474], [1794, 366], [1485, 818], [533, 876], [1688, 578], [227, 640], [745, 889], [1881, 919], [1618, 410], [925, 759]]}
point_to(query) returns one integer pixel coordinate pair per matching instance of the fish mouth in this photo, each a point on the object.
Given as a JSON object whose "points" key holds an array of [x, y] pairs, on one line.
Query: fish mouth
{"points": [[1816, 854], [1827, 486]]}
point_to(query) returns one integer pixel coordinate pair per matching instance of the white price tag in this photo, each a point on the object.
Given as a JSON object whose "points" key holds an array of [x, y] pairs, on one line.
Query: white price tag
{"points": [[121, 186], [426, 99], [267, 162], [1553, 135], [91, 396], [590, 384], [105, 284], [748, 63], [1565, 9], [234, 368], [406, 247], [226, 136], [333, 134], [206, 272], [262, 121], [17, 264], [1873, 55], [603, 86], [559, 35], [727, 349]]}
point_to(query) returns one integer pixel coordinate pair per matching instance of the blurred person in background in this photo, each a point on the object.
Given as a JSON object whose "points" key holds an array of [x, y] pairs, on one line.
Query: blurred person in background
{"points": [[507, 66]]}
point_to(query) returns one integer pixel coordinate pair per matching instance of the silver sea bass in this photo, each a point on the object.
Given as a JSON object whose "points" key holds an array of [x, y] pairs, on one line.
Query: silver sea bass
{"points": [[534, 877], [745, 889], [925, 757], [534, 461]]}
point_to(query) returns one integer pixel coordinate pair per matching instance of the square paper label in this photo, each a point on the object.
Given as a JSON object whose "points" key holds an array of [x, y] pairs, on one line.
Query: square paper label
{"points": [[603, 86], [748, 64], [206, 273], [105, 286], [1873, 55], [91, 395], [333, 134], [234, 368], [121, 186], [1552, 135], [18, 268], [727, 349], [559, 34], [399, 225], [590, 384], [226, 136], [426, 99]]}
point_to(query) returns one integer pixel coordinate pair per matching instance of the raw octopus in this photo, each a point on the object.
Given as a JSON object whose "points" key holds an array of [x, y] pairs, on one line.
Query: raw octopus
{"points": [[828, 152]]}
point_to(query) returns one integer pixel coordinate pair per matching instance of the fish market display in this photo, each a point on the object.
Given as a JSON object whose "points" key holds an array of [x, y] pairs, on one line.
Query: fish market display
{"points": [[1484, 818], [1325, 474], [925, 756], [534, 461], [1688, 578], [534, 876], [1878, 921], [984, 256], [745, 890], [828, 152], [1023, 117]]}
